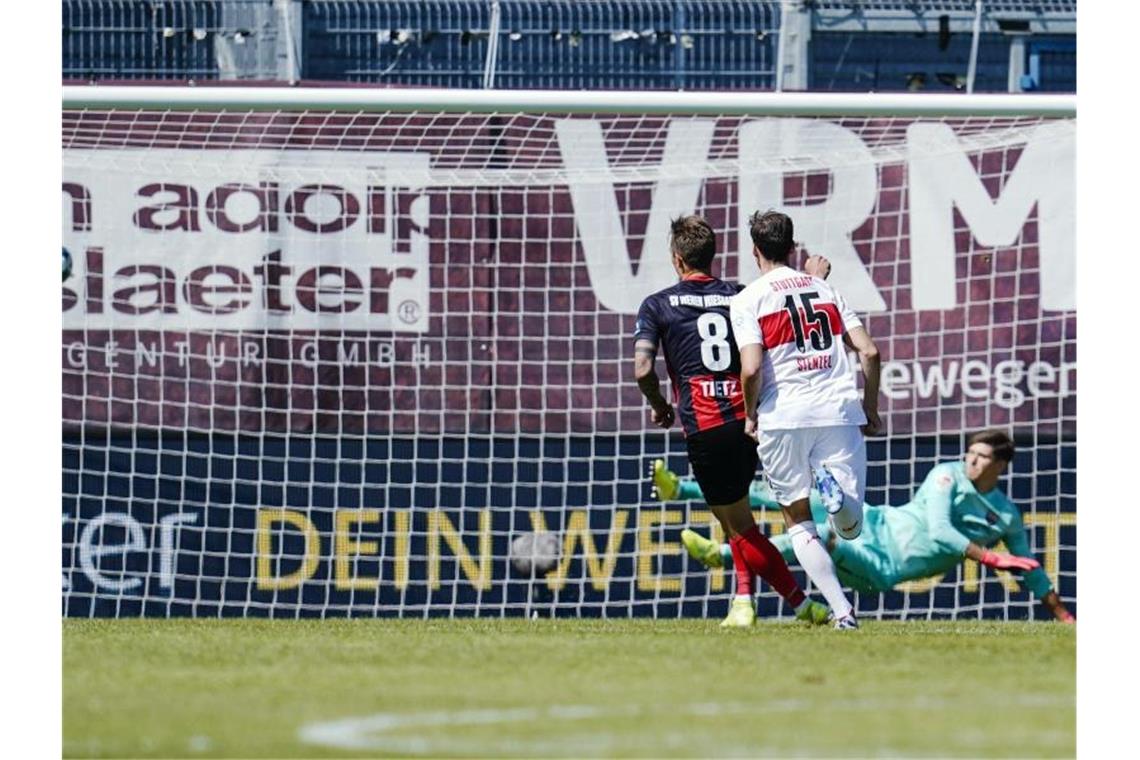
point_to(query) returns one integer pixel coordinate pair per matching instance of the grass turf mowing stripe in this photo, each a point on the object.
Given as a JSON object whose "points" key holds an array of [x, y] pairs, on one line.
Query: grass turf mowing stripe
{"points": [[222, 688]]}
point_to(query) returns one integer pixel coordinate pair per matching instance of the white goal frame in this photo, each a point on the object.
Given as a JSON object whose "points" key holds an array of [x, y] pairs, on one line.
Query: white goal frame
{"points": [[99, 97], [460, 542]]}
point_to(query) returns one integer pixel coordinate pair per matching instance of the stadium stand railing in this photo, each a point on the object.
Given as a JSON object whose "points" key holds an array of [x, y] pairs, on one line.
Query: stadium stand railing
{"points": [[172, 39], [654, 44], [881, 45], [894, 45]]}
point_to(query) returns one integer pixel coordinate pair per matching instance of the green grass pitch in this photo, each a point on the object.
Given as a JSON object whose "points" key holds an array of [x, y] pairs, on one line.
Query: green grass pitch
{"points": [[571, 688]]}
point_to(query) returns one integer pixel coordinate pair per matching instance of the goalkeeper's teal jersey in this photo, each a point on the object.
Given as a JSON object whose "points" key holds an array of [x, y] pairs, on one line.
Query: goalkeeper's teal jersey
{"points": [[929, 535]]}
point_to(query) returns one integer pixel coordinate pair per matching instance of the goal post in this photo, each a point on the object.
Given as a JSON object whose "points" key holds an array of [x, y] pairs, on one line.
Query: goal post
{"points": [[371, 100], [330, 351]]}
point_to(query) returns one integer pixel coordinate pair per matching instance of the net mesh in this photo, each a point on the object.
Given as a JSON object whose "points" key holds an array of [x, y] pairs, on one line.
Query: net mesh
{"points": [[320, 363]]}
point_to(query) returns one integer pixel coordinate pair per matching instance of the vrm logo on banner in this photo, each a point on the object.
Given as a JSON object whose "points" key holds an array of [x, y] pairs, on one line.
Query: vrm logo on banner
{"points": [[940, 180]]}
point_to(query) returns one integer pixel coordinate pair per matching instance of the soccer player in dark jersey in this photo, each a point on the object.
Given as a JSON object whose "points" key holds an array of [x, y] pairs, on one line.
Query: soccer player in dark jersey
{"points": [[689, 321]]}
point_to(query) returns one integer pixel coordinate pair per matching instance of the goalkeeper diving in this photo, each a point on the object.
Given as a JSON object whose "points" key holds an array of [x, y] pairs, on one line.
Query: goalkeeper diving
{"points": [[957, 513]]}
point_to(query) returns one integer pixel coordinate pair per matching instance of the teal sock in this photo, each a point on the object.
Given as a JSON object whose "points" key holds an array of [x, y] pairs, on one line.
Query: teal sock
{"points": [[726, 554], [690, 491]]}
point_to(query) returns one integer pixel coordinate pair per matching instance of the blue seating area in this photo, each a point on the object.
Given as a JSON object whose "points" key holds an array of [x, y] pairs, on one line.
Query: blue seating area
{"points": [[894, 61], [1051, 64], [654, 44], [882, 45], [428, 44], [138, 39]]}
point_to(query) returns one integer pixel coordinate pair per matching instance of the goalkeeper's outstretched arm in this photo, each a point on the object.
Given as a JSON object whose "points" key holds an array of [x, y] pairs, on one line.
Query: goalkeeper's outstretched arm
{"points": [[1036, 580], [1021, 561]]}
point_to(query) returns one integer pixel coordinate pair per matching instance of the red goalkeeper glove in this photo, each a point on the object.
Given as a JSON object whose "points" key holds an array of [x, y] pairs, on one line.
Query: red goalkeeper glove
{"points": [[1007, 561]]}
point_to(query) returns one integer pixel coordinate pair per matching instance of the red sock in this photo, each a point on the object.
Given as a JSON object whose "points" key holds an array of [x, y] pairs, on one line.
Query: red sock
{"points": [[763, 558], [744, 575]]}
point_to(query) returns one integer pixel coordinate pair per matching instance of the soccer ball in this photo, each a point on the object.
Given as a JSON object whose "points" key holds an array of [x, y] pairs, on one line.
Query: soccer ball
{"points": [[66, 264], [534, 553]]}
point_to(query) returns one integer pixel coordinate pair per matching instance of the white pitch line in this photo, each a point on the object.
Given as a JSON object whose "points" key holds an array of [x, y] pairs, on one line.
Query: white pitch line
{"points": [[377, 732]]}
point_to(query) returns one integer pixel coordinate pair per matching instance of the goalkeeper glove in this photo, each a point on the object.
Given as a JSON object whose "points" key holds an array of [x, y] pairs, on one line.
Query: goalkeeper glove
{"points": [[1001, 561]]}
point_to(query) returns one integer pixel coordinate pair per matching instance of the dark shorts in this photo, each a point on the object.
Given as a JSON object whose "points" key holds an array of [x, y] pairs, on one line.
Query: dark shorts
{"points": [[724, 462]]}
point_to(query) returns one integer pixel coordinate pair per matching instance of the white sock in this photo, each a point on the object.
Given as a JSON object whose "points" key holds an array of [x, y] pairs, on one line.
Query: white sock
{"points": [[816, 562]]}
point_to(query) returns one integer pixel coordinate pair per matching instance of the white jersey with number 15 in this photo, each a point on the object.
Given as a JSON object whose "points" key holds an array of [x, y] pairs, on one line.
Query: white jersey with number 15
{"points": [[799, 321]]}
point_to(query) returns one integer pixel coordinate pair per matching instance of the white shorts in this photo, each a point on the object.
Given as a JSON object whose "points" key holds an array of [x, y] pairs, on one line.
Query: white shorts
{"points": [[789, 458]]}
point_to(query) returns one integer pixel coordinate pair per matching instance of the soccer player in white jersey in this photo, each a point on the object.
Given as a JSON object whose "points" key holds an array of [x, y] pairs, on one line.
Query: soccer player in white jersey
{"points": [[800, 398]]}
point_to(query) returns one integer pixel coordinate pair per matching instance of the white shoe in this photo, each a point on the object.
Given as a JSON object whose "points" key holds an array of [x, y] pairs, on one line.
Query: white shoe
{"points": [[829, 491], [832, 496]]}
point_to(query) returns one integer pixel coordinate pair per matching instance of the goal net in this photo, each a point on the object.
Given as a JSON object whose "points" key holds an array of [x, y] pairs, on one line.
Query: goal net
{"points": [[333, 357]]}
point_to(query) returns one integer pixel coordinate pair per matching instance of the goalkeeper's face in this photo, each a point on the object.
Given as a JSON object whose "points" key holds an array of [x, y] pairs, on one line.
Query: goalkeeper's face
{"points": [[982, 465]]}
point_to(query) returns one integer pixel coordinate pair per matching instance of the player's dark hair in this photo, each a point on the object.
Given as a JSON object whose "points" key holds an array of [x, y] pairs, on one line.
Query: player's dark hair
{"points": [[693, 239], [1002, 444], [772, 234]]}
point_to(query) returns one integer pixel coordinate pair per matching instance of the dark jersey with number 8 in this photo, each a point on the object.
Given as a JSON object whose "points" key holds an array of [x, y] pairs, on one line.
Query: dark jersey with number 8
{"points": [[689, 322]]}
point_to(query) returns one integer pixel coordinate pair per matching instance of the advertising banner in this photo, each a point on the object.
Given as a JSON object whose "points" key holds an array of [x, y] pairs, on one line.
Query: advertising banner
{"points": [[398, 527], [392, 274]]}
